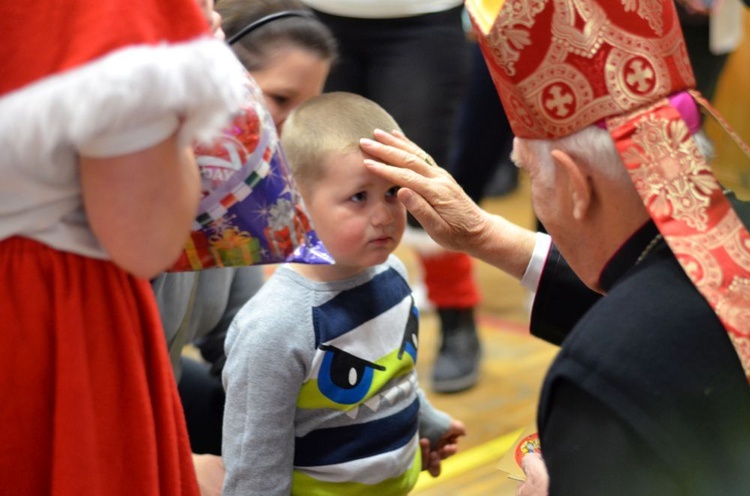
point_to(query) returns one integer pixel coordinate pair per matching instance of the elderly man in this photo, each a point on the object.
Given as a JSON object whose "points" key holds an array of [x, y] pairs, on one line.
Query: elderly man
{"points": [[649, 393]]}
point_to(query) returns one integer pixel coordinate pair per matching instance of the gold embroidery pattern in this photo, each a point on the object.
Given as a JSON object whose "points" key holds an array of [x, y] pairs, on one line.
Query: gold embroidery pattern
{"points": [[510, 34], [633, 80], [672, 175], [520, 112], [556, 96], [697, 260], [651, 10], [734, 309], [558, 91], [584, 40], [710, 242], [738, 247]]}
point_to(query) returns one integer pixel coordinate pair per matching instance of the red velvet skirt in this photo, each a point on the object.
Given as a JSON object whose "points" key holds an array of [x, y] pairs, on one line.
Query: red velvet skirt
{"points": [[88, 403]]}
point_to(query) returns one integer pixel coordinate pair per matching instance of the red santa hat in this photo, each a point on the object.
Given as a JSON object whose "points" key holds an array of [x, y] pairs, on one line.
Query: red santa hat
{"points": [[77, 69], [562, 65], [52, 36]]}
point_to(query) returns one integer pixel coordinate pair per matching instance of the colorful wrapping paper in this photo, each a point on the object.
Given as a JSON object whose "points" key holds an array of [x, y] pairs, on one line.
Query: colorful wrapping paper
{"points": [[251, 211]]}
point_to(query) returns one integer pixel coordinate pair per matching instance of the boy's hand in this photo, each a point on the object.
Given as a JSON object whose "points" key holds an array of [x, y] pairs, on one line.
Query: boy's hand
{"points": [[446, 446]]}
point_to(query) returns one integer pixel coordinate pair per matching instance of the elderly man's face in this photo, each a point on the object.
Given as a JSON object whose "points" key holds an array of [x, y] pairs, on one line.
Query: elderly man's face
{"points": [[550, 197], [545, 196]]}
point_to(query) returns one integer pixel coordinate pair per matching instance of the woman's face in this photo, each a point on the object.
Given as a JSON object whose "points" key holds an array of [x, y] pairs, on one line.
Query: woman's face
{"points": [[291, 76]]}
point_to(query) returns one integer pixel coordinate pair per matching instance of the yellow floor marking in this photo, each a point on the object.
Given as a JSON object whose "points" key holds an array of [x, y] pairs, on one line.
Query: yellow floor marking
{"points": [[470, 459]]}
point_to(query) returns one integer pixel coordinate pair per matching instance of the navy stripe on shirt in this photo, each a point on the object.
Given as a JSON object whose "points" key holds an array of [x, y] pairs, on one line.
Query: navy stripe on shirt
{"points": [[352, 308], [343, 444]]}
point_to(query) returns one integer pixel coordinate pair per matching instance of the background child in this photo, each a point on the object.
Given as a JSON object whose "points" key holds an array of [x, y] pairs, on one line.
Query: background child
{"points": [[322, 394]]}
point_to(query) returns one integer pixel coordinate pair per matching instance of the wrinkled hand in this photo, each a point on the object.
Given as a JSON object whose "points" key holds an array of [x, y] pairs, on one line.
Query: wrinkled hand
{"points": [[537, 479], [209, 469], [446, 446], [429, 192]]}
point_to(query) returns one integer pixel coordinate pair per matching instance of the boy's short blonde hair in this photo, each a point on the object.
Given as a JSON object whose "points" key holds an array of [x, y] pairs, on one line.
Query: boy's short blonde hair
{"points": [[329, 123]]}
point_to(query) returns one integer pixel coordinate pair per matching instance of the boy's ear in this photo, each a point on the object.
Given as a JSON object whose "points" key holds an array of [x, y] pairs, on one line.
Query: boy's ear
{"points": [[579, 187]]}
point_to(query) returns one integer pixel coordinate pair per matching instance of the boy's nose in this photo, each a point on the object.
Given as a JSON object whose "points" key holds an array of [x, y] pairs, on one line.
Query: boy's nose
{"points": [[382, 214]]}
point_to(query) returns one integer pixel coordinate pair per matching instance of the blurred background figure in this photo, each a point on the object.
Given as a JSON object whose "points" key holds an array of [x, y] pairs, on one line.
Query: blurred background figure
{"points": [[712, 31]]}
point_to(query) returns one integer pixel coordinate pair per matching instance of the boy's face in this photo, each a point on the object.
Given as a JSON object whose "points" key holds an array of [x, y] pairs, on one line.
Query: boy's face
{"points": [[355, 213]]}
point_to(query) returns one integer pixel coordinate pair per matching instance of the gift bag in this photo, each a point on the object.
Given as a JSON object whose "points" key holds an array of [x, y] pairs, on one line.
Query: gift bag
{"points": [[251, 211]]}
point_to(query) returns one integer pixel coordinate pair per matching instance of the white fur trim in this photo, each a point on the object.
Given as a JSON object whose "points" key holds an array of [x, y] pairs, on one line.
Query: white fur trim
{"points": [[139, 138], [201, 81]]}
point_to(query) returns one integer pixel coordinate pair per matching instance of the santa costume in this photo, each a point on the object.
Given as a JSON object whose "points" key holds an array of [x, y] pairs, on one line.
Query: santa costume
{"points": [[89, 403]]}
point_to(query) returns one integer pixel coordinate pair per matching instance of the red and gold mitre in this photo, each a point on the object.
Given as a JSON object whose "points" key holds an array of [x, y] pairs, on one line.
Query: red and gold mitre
{"points": [[560, 65]]}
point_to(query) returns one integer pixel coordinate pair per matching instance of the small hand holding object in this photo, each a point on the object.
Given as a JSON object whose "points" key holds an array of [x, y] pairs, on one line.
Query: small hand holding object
{"points": [[446, 446], [537, 479]]}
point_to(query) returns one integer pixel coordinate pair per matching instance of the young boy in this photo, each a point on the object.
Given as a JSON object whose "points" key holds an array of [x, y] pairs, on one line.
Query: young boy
{"points": [[322, 394]]}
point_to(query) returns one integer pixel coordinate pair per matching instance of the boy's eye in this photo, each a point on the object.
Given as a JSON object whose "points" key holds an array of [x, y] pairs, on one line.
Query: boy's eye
{"points": [[280, 100], [392, 191], [359, 197]]}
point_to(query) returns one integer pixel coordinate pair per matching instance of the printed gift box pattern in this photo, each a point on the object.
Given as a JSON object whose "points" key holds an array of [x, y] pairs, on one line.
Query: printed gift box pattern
{"points": [[251, 211], [235, 248]]}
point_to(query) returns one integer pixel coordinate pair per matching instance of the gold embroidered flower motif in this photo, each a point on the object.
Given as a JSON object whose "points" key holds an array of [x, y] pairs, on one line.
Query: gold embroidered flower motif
{"points": [[510, 35], [579, 26], [651, 10], [670, 172], [734, 310]]}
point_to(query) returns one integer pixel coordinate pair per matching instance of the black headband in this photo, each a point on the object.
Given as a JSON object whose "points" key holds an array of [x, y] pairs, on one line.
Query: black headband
{"points": [[266, 19]]}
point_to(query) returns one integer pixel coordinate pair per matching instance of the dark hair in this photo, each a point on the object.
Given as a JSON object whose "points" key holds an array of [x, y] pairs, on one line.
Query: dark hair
{"points": [[303, 31]]}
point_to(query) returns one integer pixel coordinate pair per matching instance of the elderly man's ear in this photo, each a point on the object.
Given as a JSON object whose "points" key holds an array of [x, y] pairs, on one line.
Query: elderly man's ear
{"points": [[577, 180]]}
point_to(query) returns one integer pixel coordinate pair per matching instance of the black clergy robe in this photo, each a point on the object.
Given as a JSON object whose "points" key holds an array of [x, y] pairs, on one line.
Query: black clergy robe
{"points": [[647, 395]]}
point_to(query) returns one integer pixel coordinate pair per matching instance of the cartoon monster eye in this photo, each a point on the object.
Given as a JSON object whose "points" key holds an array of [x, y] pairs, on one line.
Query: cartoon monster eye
{"points": [[410, 343], [343, 377]]}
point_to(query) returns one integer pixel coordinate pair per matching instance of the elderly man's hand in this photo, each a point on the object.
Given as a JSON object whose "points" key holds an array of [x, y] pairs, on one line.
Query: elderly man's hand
{"points": [[429, 192], [537, 480]]}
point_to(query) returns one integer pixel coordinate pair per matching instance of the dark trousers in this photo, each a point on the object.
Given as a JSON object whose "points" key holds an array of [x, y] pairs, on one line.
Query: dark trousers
{"points": [[414, 67], [483, 138], [202, 396]]}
